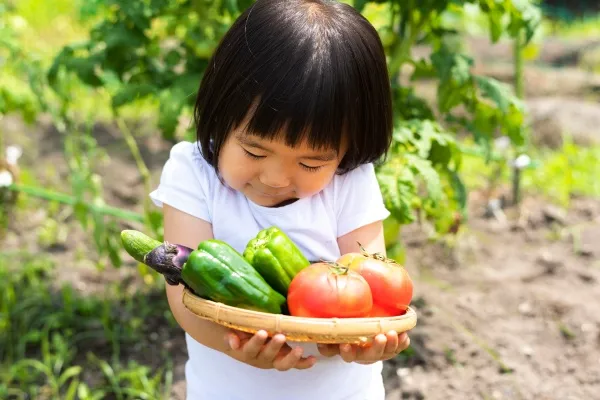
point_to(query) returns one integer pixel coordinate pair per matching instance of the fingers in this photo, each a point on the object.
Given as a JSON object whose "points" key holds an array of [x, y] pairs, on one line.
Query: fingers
{"points": [[328, 350], [260, 351], [263, 352], [270, 351], [293, 359], [235, 339], [255, 344], [392, 344], [404, 342], [374, 352], [383, 347], [348, 352]]}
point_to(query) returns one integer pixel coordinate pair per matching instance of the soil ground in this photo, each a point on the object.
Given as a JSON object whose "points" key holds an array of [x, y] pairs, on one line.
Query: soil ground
{"points": [[507, 308]]}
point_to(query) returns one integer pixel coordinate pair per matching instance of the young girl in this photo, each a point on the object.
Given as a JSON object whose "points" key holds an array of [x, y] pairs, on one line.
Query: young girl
{"points": [[292, 111]]}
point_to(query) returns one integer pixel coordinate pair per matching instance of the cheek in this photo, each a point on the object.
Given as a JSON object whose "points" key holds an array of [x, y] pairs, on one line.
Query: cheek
{"points": [[235, 169], [240, 175], [311, 184]]}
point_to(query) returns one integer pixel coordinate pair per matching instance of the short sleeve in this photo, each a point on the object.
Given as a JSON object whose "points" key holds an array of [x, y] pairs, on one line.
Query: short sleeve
{"points": [[184, 182], [358, 199]]}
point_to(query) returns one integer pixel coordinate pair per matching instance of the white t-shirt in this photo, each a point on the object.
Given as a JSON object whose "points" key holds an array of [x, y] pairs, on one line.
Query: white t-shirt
{"points": [[350, 201]]}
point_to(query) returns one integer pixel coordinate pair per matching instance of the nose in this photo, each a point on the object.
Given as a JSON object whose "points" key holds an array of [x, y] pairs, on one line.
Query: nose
{"points": [[274, 178]]}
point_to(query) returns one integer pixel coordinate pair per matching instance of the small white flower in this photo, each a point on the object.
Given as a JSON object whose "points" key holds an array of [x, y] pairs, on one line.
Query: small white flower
{"points": [[522, 161], [6, 178], [502, 143], [13, 153]]}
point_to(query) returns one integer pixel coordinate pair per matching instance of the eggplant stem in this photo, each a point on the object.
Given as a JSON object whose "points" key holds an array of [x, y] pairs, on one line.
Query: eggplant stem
{"points": [[168, 259]]}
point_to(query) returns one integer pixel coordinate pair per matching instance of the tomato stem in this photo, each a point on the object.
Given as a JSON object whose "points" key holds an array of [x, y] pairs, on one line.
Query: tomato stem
{"points": [[376, 256], [336, 267]]}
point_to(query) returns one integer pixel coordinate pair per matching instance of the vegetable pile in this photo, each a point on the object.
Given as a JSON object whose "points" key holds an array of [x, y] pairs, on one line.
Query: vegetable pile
{"points": [[273, 276]]}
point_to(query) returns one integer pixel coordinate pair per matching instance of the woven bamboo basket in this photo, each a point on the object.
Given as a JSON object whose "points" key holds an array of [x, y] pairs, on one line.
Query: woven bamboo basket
{"points": [[299, 329]]}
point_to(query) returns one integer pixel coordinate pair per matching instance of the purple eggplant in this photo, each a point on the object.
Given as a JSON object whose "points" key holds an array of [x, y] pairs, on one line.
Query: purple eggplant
{"points": [[165, 258]]}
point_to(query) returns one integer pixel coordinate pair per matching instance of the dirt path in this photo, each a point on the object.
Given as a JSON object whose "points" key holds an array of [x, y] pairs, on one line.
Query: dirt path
{"points": [[508, 313]]}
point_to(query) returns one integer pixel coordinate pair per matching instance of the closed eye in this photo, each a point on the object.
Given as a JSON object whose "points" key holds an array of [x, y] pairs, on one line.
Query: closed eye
{"points": [[311, 169], [252, 155]]}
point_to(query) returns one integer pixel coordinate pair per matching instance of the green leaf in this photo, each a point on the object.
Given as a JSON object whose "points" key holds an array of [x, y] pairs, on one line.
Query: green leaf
{"points": [[499, 92], [460, 190], [442, 153], [131, 93], [485, 120], [456, 83], [509, 115], [423, 70], [360, 4], [35, 364], [397, 193], [68, 374], [231, 6], [172, 103], [244, 4], [99, 232], [526, 15], [429, 175], [71, 393], [113, 246], [496, 27], [409, 106]]}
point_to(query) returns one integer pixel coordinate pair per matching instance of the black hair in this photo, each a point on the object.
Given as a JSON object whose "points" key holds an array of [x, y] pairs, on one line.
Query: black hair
{"points": [[305, 69]]}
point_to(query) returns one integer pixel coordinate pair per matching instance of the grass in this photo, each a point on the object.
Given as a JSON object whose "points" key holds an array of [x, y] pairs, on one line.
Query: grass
{"points": [[559, 175], [586, 27], [55, 342]]}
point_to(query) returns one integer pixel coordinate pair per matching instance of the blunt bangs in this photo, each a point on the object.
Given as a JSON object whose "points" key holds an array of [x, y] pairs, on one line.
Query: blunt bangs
{"points": [[299, 70]]}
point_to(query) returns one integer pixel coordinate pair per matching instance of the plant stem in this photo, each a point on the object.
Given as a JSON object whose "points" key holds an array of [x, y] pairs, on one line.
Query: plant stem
{"points": [[72, 201], [141, 165], [2, 151], [409, 31], [516, 185], [518, 55], [520, 92]]}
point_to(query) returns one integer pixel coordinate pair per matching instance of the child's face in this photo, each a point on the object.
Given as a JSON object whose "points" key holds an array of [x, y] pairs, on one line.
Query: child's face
{"points": [[270, 172]]}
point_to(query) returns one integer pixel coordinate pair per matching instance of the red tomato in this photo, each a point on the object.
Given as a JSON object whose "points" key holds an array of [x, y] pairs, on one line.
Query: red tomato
{"points": [[324, 290], [391, 286], [380, 311]]}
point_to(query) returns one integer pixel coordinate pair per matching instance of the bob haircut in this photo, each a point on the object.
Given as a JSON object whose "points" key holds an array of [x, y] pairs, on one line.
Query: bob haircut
{"points": [[311, 70]]}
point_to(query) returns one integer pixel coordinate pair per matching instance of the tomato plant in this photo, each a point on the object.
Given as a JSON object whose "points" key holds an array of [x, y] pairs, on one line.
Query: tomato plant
{"points": [[329, 290], [390, 283]]}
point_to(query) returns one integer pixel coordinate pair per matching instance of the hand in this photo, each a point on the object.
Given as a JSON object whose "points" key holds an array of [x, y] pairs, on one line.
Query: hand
{"points": [[383, 347], [261, 352]]}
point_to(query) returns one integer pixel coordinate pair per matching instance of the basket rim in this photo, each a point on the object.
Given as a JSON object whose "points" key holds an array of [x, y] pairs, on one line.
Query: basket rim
{"points": [[409, 315]]}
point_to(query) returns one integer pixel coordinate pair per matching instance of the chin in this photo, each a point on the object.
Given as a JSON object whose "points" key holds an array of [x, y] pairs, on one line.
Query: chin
{"points": [[267, 201]]}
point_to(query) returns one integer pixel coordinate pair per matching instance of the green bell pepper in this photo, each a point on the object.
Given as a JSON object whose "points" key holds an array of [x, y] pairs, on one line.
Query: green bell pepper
{"points": [[276, 257], [217, 271]]}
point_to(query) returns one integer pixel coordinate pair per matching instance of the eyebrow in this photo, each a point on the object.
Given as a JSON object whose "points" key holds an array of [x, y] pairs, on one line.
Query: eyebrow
{"points": [[329, 156]]}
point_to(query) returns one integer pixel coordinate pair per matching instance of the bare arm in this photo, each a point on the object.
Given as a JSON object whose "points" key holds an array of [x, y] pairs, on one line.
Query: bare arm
{"points": [[369, 236], [189, 231]]}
